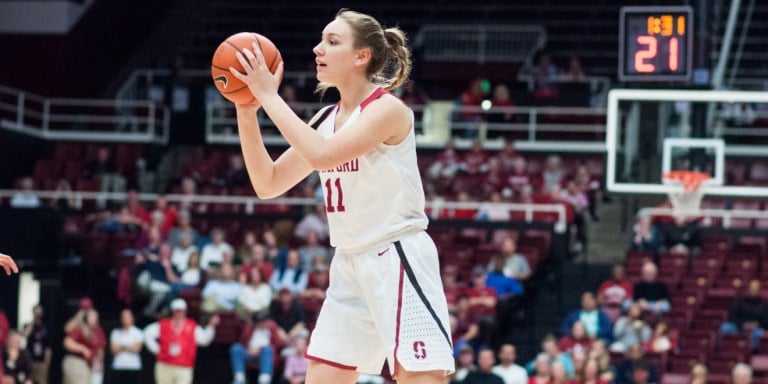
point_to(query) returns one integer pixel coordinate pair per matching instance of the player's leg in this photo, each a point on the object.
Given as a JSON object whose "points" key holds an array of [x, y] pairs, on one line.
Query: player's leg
{"points": [[420, 377], [321, 373]]}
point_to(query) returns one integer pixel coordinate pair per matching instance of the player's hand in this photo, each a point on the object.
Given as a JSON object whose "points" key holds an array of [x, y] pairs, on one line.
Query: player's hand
{"points": [[8, 264], [260, 80]]}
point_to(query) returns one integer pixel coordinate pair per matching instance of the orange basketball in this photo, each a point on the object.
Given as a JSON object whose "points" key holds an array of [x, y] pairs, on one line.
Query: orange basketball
{"points": [[226, 56]]}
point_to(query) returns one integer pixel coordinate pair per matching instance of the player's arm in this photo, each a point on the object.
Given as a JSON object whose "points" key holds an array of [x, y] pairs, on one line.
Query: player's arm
{"points": [[386, 120], [269, 178], [7, 263]]}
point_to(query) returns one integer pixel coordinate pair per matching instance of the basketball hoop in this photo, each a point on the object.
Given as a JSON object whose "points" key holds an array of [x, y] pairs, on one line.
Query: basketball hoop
{"points": [[686, 202]]}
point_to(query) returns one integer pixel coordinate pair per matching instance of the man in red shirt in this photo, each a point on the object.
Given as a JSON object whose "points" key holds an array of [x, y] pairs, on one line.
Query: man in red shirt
{"points": [[482, 298], [174, 340]]}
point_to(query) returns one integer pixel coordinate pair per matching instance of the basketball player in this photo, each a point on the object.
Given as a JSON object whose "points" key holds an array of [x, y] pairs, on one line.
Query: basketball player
{"points": [[7, 263], [385, 301]]}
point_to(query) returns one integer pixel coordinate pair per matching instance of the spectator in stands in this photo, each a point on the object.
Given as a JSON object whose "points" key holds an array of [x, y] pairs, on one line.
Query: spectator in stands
{"points": [[292, 276], [559, 374], [164, 214], [545, 75], [256, 294], [484, 373], [150, 240], [507, 156], [699, 374], [64, 199], [260, 341], [103, 168], [216, 252], [452, 288], [589, 373], [258, 260], [575, 72], [660, 340], [317, 284], [741, 374], [596, 323], [518, 177], [515, 265], [17, 364], [116, 221], [495, 178], [635, 368], [482, 298], [576, 341], [467, 330], [296, 364], [541, 372], [589, 186], [152, 278], [236, 175], [273, 251], [465, 363], [683, 237], [553, 173], [245, 251], [311, 250], [221, 294], [510, 372], [125, 343], [630, 330], [552, 353], [645, 237], [189, 192], [476, 159], [135, 206], [184, 227], [84, 348], [182, 251], [470, 101], [447, 164], [174, 340], [490, 211], [38, 345], [288, 313], [316, 222], [501, 99], [748, 314], [599, 352], [613, 293], [505, 287], [573, 195], [25, 198], [189, 279], [651, 294]]}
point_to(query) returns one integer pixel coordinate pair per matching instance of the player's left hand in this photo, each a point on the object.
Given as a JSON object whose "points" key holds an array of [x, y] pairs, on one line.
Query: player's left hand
{"points": [[260, 80], [7, 263]]}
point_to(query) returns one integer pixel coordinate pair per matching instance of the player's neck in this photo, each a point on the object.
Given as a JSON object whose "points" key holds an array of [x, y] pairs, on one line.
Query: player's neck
{"points": [[354, 93]]}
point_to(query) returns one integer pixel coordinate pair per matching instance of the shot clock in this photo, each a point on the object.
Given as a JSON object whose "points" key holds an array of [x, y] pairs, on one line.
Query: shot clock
{"points": [[655, 43]]}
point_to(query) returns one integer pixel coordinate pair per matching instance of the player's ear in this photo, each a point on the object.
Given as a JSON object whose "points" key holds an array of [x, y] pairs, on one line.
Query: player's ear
{"points": [[363, 56]]}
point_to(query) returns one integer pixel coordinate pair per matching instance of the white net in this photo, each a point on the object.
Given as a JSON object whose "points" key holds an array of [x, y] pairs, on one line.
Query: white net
{"points": [[686, 203]]}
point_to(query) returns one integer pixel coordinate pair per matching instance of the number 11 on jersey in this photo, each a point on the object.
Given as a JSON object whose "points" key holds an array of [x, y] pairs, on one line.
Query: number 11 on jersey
{"points": [[329, 207]]}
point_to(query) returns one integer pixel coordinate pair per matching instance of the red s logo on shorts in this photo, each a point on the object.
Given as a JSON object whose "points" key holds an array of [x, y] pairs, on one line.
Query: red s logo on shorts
{"points": [[420, 350]]}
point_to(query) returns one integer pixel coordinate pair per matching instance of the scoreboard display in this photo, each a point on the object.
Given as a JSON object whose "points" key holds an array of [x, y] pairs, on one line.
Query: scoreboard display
{"points": [[655, 43]]}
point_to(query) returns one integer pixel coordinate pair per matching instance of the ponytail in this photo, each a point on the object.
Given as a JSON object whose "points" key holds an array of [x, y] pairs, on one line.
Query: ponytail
{"points": [[398, 58]]}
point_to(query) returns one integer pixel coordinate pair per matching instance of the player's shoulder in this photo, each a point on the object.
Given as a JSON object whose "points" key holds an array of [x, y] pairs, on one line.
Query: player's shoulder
{"points": [[388, 104]]}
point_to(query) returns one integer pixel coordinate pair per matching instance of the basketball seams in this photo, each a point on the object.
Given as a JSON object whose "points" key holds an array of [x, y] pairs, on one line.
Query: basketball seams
{"points": [[222, 54]]}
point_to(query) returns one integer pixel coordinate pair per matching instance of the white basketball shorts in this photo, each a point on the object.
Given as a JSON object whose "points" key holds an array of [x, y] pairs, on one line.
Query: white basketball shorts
{"points": [[385, 304]]}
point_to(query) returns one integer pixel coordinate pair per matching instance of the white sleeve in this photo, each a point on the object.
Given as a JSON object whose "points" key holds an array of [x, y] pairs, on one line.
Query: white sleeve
{"points": [[204, 335], [151, 333]]}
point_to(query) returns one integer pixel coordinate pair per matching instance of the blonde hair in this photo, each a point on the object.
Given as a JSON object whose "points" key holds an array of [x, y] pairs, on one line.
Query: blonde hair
{"points": [[390, 63]]}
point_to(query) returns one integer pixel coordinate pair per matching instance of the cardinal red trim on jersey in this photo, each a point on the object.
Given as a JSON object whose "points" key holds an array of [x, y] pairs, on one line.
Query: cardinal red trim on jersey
{"points": [[399, 308], [328, 362], [375, 95]]}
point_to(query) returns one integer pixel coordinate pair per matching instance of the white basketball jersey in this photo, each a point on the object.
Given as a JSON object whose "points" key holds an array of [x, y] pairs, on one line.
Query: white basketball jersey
{"points": [[377, 197]]}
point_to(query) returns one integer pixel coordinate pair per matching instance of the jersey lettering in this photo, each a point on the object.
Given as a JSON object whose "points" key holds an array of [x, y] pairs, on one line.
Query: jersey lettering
{"points": [[349, 166]]}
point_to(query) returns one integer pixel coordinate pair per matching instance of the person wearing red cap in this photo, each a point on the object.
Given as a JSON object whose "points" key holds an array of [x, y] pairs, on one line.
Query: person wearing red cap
{"points": [[7, 263], [174, 340], [84, 347]]}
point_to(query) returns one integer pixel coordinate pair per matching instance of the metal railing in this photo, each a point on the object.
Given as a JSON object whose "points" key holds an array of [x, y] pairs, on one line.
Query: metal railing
{"points": [[533, 122], [83, 119], [725, 214], [249, 203]]}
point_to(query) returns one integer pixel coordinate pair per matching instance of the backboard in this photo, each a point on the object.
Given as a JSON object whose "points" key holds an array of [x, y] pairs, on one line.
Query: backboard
{"points": [[723, 133]]}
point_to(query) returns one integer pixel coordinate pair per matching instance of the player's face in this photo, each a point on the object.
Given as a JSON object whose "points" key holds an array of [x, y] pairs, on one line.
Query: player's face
{"points": [[335, 52]]}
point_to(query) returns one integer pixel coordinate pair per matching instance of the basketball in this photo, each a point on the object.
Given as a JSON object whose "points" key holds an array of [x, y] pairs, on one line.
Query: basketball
{"points": [[225, 56]]}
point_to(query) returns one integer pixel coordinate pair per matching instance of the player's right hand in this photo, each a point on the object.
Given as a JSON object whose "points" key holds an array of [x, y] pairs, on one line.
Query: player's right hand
{"points": [[8, 264]]}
